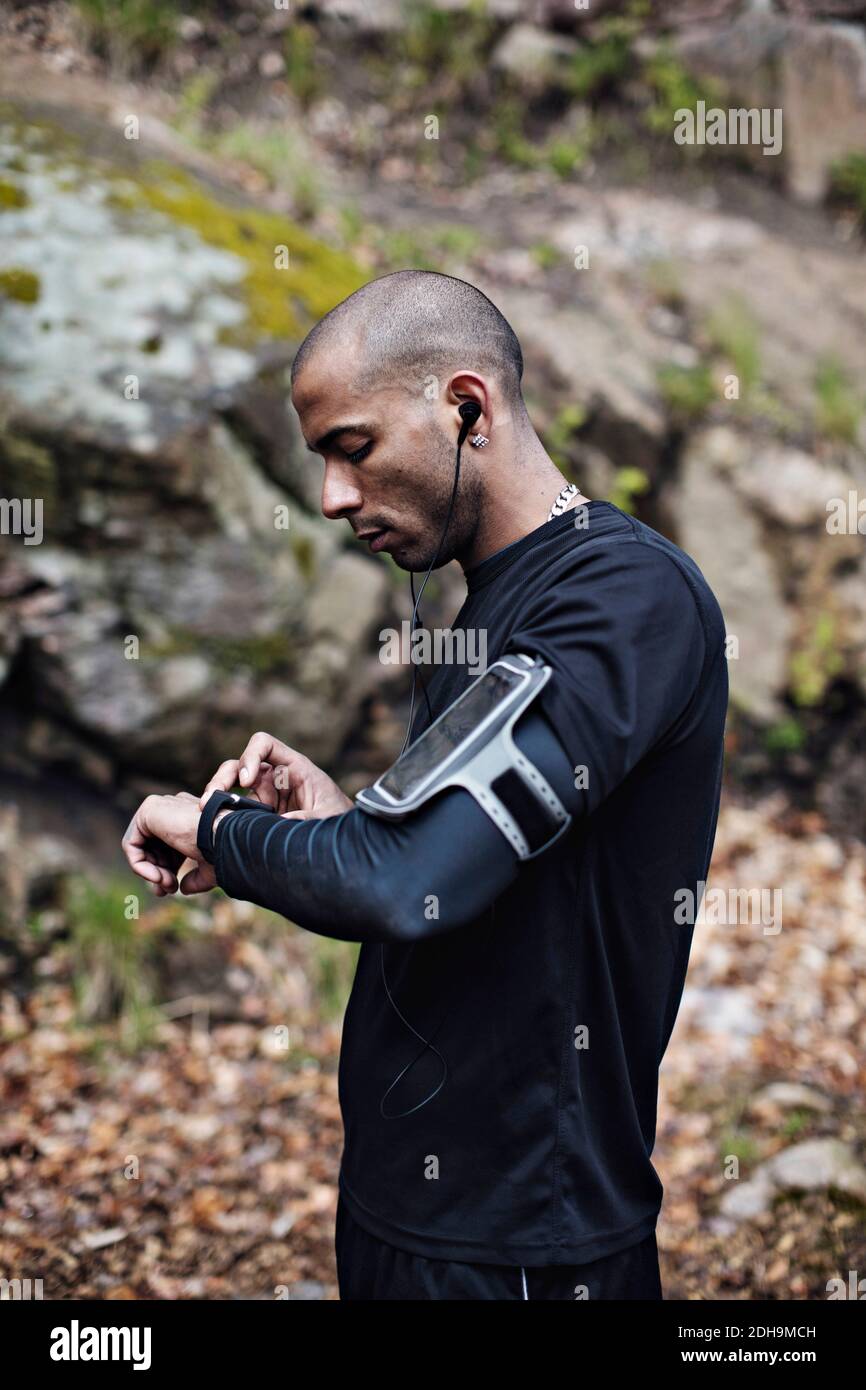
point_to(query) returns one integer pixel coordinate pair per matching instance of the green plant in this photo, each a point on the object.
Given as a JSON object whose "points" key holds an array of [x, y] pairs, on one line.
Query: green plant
{"points": [[352, 222], [796, 1123], [474, 160], [597, 66], [509, 140], [665, 282], [303, 73], [131, 34], [111, 957], [305, 556], [445, 42], [741, 1145], [788, 736], [733, 332], [559, 434], [838, 406], [281, 158], [545, 255], [333, 970], [306, 195], [567, 154], [816, 662], [628, 485], [848, 180], [687, 392], [672, 89], [428, 248], [195, 96]]}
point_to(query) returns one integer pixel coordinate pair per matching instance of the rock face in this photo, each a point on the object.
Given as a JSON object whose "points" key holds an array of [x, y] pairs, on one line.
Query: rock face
{"points": [[748, 484], [185, 591], [814, 72], [179, 591], [534, 57], [812, 1166], [740, 511], [824, 94]]}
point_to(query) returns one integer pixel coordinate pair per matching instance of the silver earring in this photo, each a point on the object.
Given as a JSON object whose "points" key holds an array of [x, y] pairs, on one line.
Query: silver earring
{"points": [[478, 441]]}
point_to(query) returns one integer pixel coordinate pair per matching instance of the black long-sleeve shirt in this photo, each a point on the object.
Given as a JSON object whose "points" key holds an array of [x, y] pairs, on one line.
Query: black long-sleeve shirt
{"points": [[362, 879], [545, 991]]}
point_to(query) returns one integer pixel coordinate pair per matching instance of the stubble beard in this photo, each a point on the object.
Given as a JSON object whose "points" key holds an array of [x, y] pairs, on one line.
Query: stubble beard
{"points": [[419, 555]]}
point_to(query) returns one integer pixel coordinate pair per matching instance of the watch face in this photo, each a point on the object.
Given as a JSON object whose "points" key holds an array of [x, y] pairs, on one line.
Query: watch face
{"points": [[449, 731]]}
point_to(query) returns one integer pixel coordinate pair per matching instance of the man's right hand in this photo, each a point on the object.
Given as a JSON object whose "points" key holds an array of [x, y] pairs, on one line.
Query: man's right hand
{"points": [[281, 778]]}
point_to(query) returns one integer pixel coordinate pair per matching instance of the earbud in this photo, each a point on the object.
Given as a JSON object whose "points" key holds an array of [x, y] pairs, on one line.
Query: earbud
{"points": [[469, 412]]}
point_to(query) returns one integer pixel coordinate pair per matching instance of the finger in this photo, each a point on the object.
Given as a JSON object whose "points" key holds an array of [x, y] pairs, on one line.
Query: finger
{"points": [[225, 777], [163, 855], [265, 789], [146, 855], [146, 870], [292, 782], [160, 878], [138, 854], [167, 881], [261, 748], [198, 880]]}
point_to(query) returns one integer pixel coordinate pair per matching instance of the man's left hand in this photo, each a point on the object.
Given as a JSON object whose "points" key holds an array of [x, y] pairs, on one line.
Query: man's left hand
{"points": [[160, 837]]}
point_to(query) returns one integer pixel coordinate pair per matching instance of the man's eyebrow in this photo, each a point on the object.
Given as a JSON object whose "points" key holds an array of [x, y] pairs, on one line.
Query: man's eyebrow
{"points": [[332, 434]]}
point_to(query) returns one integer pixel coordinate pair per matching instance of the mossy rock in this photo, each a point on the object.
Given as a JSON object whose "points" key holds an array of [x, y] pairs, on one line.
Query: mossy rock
{"points": [[313, 279], [185, 281], [19, 284], [267, 654], [28, 469], [11, 196]]}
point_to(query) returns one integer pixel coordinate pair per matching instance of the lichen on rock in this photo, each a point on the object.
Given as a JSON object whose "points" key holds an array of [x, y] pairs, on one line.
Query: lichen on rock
{"points": [[170, 608], [153, 290]]}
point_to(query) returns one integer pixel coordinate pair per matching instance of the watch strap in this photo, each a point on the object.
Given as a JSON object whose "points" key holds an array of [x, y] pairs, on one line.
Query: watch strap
{"points": [[217, 802]]}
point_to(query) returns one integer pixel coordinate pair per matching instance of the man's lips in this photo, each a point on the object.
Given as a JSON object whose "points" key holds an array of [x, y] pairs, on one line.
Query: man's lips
{"points": [[376, 539]]}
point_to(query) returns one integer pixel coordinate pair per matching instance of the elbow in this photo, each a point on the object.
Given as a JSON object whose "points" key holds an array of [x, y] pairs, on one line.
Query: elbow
{"points": [[398, 926], [395, 915], [405, 919]]}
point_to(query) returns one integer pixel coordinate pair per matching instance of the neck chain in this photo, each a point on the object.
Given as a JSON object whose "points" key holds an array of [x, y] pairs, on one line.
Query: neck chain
{"points": [[570, 490]]}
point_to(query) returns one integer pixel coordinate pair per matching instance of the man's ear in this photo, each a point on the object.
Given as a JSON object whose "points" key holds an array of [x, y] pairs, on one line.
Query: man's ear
{"points": [[467, 387]]}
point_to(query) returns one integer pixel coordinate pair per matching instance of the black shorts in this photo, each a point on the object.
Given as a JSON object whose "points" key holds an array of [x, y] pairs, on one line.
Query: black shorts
{"points": [[368, 1268]]}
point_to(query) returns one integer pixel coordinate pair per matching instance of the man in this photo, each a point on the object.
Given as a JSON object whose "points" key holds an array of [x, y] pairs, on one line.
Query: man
{"points": [[521, 965]]}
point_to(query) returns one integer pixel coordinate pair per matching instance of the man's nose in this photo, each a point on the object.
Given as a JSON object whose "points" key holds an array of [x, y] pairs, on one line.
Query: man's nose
{"points": [[340, 493]]}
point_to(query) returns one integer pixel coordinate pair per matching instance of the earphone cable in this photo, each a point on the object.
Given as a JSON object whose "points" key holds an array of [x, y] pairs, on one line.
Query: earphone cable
{"points": [[421, 591], [426, 1041]]}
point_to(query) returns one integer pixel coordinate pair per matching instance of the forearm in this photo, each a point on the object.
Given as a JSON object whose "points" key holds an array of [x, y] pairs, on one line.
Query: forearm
{"points": [[359, 878]]}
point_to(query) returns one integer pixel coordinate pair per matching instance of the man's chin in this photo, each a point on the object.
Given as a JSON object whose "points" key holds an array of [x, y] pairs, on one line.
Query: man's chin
{"points": [[402, 559], [412, 561], [410, 555]]}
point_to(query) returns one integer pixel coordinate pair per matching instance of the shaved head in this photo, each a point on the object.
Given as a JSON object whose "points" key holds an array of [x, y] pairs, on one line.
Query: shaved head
{"points": [[416, 325], [378, 386]]}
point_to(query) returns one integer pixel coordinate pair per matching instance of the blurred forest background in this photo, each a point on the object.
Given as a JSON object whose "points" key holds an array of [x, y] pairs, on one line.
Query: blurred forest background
{"points": [[184, 189]]}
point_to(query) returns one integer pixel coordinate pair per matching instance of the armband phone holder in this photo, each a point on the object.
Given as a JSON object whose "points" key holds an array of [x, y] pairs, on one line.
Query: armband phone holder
{"points": [[470, 745]]}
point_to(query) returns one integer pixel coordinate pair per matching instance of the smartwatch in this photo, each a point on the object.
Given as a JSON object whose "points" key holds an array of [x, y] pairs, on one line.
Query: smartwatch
{"points": [[217, 802]]}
